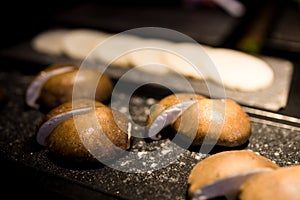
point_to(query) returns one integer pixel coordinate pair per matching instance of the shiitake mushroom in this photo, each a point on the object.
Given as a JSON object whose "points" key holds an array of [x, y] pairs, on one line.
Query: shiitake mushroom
{"points": [[85, 133], [167, 110], [223, 173], [280, 184], [54, 85], [219, 121]]}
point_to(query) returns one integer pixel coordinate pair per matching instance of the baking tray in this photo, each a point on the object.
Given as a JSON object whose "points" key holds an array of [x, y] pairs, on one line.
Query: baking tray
{"points": [[272, 98], [275, 140]]}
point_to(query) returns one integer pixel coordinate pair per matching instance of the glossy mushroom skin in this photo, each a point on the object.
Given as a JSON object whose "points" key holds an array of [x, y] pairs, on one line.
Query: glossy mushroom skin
{"points": [[55, 85], [169, 101], [220, 121], [225, 164], [283, 183], [101, 133], [59, 88]]}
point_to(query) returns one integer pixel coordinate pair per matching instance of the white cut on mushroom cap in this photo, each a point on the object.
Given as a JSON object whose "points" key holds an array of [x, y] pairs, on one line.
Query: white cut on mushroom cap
{"points": [[167, 117], [34, 89], [46, 128]]}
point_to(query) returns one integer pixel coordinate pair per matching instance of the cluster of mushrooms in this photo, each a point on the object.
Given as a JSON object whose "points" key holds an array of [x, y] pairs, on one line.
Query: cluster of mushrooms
{"points": [[68, 131], [243, 175], [51, 91]]}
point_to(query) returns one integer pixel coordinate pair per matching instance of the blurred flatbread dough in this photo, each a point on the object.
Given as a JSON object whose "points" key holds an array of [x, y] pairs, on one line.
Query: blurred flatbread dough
{"points": [[241, 71], [115, 51], [149, 56], [188, 59], [229, 68], [79, 43], [49, 42]]}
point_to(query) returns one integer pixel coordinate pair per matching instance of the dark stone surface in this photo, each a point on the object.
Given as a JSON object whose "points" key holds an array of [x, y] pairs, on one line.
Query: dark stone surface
{"points": [[29, 168]]}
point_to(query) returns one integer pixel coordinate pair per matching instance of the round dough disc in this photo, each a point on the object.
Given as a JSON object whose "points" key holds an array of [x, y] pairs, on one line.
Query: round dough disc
{"points": [[149, 56], [188, 59], [49, 42], [241, 71], [79, 43], [114, 51]]}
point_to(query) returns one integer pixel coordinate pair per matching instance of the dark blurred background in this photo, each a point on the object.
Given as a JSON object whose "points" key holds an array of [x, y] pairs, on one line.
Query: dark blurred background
{"points": [[21, 20], [268, 26]]}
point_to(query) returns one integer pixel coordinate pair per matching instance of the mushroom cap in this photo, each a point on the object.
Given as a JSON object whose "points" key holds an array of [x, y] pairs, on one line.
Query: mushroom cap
{"points": [[283, 183], [35, 86], [223, 165], [219, 121], [100, 134], [59, 88]]}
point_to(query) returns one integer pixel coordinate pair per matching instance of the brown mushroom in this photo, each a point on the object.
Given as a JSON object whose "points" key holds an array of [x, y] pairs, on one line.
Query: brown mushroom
{"points": [[54, 85], [283, 183], [218, 121], [222, 174], [85, 133]]}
